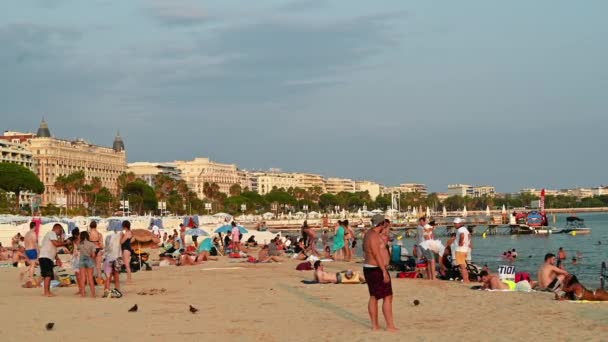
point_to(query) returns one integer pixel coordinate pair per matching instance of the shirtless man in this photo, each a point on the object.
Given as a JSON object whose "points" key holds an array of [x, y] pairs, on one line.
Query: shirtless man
{"points": [[492, 282], [378, 279], [344, 277], [264, 256], [31, 249], [549, 276]]}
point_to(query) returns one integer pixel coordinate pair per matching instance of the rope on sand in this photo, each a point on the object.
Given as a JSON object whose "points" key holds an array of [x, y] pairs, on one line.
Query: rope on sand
{"points": [[316, 301]]}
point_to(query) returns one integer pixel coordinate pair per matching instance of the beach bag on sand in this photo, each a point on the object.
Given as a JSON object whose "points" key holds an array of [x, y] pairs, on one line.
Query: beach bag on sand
{"points": [[411, 275], [305, 266], [520, 276], [235, 255]]}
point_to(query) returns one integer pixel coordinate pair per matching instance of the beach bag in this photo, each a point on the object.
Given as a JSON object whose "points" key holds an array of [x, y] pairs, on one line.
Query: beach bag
{"points": [[411, 275], [235, 255], [305, 266], [520, 276]]}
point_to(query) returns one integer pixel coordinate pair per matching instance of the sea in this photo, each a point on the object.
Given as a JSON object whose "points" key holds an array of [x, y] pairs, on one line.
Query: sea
{"points": [[590, 250]]}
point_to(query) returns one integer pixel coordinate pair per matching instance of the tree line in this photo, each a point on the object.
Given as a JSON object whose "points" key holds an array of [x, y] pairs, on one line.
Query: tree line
{"points": [[89, 197]]}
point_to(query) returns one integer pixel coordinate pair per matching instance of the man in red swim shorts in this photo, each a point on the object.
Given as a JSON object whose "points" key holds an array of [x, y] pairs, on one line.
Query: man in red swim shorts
{"points": [[376, 275]]}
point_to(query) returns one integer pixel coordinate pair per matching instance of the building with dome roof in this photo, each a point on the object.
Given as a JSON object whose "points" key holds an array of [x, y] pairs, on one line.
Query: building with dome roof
{"points": [[55, 157]]}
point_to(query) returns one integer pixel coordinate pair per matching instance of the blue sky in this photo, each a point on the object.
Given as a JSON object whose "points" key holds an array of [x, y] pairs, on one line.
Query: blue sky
{"points": [[513, 94]]}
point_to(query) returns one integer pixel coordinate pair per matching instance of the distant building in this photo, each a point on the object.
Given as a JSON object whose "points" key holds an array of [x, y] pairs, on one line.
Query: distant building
{"points": [[372, 188], [309, 181], [17, 137], [484, 190], [600, 191], [56, 157], [442, 196], [337, 185], [460, 190], [13, 151], [413, 187], [581, 193], [536, 192], [199, 171], [148, 171], [264, 182], [17, 153], [471, 190]]}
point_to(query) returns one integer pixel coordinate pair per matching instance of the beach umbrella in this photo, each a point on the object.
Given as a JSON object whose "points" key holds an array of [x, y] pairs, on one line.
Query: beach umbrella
{"points": [[227, 228], [504, 210], [428, 212], [196, 232], [114, 225], [414, 212], [445, 212], [464, 211], [488, 213]]}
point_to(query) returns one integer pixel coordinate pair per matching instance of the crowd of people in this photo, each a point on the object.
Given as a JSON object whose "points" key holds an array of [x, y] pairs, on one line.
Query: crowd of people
{"points": [[95, 261]]}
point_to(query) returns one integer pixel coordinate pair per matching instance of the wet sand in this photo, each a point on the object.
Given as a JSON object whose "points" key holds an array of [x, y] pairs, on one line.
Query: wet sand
{"points": [[268, 302]]}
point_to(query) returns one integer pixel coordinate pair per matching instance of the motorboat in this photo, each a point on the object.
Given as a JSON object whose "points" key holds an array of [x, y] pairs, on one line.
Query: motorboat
{"points": [[575, 226]]}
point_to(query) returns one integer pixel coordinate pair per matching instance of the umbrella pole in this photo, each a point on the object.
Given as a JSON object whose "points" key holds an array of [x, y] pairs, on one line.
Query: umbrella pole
{"points": [[139, 253]]}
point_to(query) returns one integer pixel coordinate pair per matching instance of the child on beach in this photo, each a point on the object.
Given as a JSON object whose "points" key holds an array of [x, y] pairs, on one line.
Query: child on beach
{"points": [[87, 263]]}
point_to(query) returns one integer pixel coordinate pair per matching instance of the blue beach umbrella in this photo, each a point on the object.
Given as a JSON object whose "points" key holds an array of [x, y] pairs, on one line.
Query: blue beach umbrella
{"points": [[228, 229], [114, 225], [196, 232]]}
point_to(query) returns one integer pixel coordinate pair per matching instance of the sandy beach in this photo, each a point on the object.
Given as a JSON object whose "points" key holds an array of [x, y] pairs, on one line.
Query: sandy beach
{"points": [[246, 302]]}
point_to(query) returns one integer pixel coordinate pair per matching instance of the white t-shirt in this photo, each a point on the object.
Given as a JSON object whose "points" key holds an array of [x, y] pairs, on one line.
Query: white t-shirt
{"points": [[112, 250], [420, 234], [462, 233], [47, 249], [155, 230]]}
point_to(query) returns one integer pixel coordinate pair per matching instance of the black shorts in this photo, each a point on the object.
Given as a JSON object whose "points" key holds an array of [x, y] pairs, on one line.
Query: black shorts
{"points": [[46, 267]]}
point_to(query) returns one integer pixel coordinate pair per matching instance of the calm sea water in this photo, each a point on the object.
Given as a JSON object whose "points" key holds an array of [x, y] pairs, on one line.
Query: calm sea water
{"points": [[531, 249]]}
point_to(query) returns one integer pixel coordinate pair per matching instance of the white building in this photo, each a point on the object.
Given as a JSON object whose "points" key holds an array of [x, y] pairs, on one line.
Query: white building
{"points": [[463, 190], [600, 191], [199, 171], [264, 182], [413, 187], [373, 188], [337, 185], [148, 171]]}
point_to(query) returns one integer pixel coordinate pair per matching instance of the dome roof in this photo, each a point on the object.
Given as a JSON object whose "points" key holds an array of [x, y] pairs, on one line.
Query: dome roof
{"points": [[43, 130], [118, 144]]}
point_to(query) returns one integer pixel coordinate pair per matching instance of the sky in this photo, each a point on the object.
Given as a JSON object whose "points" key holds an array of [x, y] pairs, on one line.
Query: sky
{"points": [[512, 94]]}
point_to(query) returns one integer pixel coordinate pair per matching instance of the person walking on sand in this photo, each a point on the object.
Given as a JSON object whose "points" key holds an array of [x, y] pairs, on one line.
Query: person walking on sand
{"points": [[86, 249], [376, 274], [31, 249], [125, 246], [112, 265], [235, 237], [338, 245], [48, 253]]}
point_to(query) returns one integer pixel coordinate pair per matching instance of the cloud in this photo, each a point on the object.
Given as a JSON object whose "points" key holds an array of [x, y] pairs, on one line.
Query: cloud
{"points": [[177, 12]]}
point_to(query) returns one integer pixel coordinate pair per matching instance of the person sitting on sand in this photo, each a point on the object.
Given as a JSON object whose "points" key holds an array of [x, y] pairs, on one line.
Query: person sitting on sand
{"points": [[492, 282], [344, 277], [251, 242], [204, 250], [264, 256], [550, 277], [573, 290]]}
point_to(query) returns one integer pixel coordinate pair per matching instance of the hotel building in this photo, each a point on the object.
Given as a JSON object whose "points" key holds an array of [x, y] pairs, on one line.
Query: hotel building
{"points": [[337, 185], [199, 171], [56, 157], [372, 188], [148, 171]]}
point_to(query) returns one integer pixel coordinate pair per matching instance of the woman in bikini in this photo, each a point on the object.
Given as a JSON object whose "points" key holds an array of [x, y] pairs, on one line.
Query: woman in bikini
{"points": [[576, 291], [125, 246], [96, 238]]}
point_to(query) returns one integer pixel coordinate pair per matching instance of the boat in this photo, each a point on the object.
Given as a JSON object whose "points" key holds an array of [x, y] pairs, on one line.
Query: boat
{"points": [[533, 222], [575, 226]]}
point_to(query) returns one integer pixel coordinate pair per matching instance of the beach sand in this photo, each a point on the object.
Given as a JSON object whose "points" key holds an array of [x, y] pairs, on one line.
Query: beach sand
{"points": [[245, 302]]}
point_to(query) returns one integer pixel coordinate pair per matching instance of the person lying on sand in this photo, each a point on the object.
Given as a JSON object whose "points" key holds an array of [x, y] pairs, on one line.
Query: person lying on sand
{"points": [[492, 282], [344, 277], [576, 291]]}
